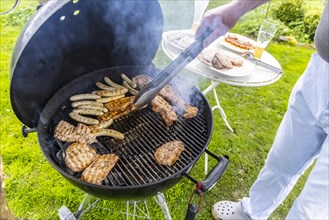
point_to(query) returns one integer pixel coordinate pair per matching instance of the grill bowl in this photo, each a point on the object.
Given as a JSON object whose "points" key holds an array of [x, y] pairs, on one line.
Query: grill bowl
{"points": [[137, 175]]}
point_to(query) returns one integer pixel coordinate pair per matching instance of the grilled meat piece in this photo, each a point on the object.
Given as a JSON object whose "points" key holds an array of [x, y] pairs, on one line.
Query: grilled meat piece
{"points": [[142, 80], [120, 104], [168, 153], [178, 102], [118, 108], [118, 113], [83, 134], [222, 60], [236, 62], [190, 111], [79, 156], [99, 169], [169, 94], [207, 57], [64, 131], [232, 39], [164, 109]]}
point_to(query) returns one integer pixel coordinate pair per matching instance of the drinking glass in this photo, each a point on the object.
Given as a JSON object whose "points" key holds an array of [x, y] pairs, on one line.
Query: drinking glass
{"points": [[265, 35], [199, 8]]}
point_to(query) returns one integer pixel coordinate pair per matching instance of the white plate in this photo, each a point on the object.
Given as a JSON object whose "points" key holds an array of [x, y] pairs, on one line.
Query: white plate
{"points": [[229, 46], [179, 39], [246, 68]]}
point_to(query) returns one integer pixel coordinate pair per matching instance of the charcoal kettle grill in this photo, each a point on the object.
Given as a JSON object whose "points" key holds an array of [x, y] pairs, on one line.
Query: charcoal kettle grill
{"points": [[64, 50]]}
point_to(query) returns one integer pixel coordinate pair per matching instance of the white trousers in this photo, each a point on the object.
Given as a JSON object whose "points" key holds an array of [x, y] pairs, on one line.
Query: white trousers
{"points": [[301, 138]]}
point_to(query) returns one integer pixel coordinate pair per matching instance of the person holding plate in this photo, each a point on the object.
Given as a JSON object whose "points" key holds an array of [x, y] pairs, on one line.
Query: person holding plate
{"points": [[301, 138]]}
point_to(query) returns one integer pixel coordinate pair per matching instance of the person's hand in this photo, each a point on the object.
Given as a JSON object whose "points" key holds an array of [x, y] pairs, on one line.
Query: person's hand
{"points": [[219, 20]]}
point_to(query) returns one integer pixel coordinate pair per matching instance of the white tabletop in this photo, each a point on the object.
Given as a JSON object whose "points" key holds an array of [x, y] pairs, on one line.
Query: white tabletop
{"points": [[257, 76]]}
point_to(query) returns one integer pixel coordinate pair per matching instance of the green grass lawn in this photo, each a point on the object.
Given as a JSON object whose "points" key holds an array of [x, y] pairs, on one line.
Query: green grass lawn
{"points": [[36, 191]]}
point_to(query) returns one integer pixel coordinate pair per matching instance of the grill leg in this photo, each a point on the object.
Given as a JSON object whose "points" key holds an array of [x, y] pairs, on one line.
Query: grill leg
{"points": [[84, 202], [161, 201]]}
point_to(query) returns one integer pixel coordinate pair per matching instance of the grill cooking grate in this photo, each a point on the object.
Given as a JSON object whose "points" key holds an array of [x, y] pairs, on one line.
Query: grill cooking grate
{"points": [[144, 132]]}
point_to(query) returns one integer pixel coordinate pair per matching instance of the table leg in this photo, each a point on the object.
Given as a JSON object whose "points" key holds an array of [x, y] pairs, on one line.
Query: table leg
{"points": [[210, 88]]}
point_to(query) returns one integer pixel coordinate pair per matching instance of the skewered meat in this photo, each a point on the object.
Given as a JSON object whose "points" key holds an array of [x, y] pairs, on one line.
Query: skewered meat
{"points": [[168, 153], [165, 109], [64, 131], [79, 156], [99, 169]]}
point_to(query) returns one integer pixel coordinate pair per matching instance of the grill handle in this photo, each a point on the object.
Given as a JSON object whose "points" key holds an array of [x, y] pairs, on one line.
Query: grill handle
{"points": [[215, 173]]}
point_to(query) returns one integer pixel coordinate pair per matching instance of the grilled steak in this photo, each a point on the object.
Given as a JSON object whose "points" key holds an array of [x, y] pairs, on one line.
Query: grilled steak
{"points": [[79, 156], [83, 134], [176, 100], [164, 109], [222, 60], [171, 95], [168, 153], [120, 104], [142, 80], [99, 169], [64, 131]]}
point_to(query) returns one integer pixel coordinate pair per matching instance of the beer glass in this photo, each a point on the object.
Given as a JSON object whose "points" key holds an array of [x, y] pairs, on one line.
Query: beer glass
{"points": [[265, 35]]}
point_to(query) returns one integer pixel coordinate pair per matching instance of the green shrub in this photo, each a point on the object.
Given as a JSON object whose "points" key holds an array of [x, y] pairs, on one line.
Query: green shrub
{"points": [[290, 12], [19, 16], [310, 23]]}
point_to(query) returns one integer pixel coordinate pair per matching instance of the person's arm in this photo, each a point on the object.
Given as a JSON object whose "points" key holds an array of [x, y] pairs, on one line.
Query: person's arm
{"points": [[223, 18]]}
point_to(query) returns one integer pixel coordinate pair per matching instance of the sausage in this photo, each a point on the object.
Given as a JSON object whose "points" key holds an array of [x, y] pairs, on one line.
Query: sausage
{"points": [[130, 89], [129, 81], [95, 107], [109, 132], [86, 111], [86, 102], [84, 97], [83, 119], [108, 99], [102, 125], [111, 83], [105, 87], [116, 92]]}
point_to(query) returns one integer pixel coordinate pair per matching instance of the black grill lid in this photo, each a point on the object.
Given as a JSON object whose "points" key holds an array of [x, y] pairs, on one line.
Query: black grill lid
{"points": [[66, 39]]}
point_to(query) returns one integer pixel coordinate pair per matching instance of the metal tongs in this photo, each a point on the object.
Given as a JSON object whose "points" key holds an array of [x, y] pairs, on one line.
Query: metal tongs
{"points": [[148, 93], [250, 57]]}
